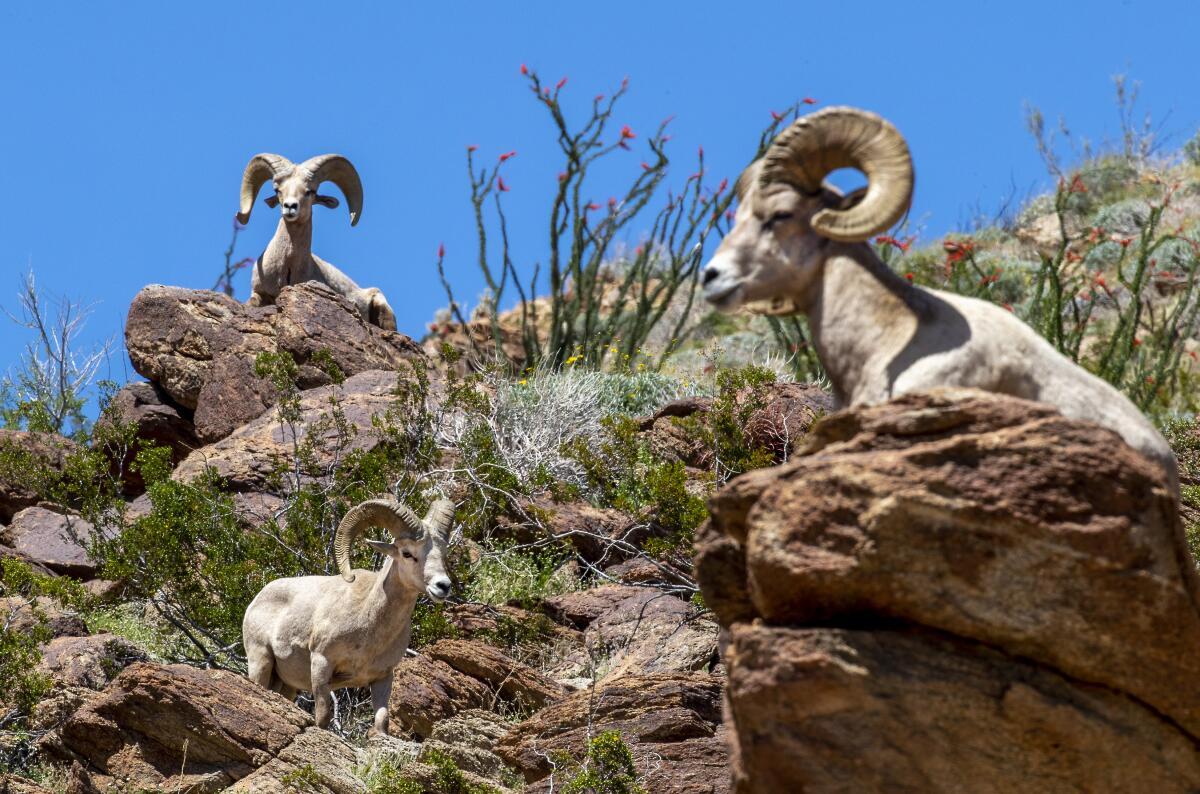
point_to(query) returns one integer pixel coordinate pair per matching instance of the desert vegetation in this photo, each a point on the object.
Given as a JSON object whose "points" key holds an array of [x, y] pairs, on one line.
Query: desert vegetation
{"points": [[579, 417]]}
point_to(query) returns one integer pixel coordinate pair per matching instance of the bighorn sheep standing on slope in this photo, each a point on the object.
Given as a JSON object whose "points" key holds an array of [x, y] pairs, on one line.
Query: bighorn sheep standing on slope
{"points": [[798, 245], [322, 633], [289, 258]]}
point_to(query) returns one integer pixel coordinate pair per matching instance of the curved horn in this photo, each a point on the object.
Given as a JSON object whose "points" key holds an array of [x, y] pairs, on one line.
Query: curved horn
{"points": [[841, 137], [260, 168], [339, 171], [387, 513], [440, 517]]}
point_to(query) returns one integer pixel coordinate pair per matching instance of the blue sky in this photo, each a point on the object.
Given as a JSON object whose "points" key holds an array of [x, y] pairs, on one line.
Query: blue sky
{"points": [[126, 126]]}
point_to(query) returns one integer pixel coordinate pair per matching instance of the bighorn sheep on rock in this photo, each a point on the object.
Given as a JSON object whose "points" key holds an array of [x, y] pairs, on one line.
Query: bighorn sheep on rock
{"points": [[289, 258], [322, 633], [798, 245]]}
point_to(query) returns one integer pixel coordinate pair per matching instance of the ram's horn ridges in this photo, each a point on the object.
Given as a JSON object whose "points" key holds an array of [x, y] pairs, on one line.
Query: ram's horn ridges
{"points": [[260, 168], [402, 522], [842, 137], [337, 169]]}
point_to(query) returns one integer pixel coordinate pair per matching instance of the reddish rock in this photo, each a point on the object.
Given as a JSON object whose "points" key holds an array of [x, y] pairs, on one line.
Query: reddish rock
{"points": [[52, 539], [581, 607], [21, 451], [483, 621], [200, 347], [669, 721], [426, 690], [828, 710], [645, 631], [88, 661], [250, 457], [591, 531], [176, 727], [1046, 548], [513, 680]]}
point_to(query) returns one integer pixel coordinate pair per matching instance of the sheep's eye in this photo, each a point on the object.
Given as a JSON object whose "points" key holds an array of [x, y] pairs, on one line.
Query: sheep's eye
{"points": [[309, 192], [776, 218], [408, 555]]}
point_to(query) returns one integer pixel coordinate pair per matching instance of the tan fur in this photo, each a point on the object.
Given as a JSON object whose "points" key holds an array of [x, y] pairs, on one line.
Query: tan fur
{"points": [[878, 336], [289, 259], [321, 633]]}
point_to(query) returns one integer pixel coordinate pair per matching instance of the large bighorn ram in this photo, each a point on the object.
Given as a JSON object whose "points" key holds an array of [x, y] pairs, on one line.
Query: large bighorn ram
{"points": [[289, 258], [798, 245], [322, 633]]}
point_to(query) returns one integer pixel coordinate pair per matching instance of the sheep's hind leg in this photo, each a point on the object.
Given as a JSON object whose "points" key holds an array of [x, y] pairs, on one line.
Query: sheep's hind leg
{"points": [[381, 690], [321, 672], [260, 664]]}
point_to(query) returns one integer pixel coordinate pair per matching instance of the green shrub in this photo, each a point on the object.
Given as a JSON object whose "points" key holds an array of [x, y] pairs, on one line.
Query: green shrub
{"points": [[607, 769], [523, 576]]}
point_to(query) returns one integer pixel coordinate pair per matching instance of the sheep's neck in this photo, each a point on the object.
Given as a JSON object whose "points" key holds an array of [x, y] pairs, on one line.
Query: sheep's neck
{"points": [[390, 602], [855, 313], [292, 246]]}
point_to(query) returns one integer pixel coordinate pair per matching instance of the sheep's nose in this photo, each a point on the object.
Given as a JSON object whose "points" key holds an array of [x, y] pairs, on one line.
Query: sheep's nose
{"points": [[710, 273], [440, 587], [292, 206]]}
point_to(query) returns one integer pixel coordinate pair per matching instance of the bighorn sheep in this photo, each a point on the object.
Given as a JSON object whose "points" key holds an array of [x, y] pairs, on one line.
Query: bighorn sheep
{"points": [[322, 633], [289, 258], [798, 245]]}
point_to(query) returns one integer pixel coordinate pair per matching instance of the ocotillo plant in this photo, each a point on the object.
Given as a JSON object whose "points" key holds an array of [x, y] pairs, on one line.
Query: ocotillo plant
{"points": [[598, 306]]}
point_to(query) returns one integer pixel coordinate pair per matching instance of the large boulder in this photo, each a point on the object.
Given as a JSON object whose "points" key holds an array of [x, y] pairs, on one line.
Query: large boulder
{"points": [[20, 453], [250, 458], [200, 347], [955, 559], [426, 691], [634, 630], [53, 539], [167, 728], [671, 723], [512, 680]]}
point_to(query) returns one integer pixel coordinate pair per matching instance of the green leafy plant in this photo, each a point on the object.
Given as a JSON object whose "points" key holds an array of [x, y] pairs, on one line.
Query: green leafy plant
{"points": [[607, 768]]}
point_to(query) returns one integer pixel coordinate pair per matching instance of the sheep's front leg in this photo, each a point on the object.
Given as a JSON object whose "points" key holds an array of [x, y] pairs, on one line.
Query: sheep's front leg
{"points": [[381, 691], [321, 672]]}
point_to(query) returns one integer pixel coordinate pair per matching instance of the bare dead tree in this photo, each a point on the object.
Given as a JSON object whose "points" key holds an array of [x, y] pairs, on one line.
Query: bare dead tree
{"points": [[47, 389]]}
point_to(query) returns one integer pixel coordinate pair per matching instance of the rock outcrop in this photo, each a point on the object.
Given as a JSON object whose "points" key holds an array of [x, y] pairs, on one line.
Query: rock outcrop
{"points": [[167, 728], [671, 723], [956, 586], [200, 347], [249, 458], [53, 539]]}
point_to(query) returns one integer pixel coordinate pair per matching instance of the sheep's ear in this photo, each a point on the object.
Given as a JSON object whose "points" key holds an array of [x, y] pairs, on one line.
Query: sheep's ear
{"points": [[327, 201], [271, 201], [383, 547]]}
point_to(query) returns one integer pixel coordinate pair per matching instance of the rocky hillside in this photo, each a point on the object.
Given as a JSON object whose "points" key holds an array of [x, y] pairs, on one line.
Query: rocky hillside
{"points": [[700, 582]]}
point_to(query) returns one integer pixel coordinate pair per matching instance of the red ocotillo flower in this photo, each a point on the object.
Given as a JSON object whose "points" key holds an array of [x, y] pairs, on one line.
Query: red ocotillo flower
{"points": [[472, 147], [441, 250], [562, 175], [508, 155], [524, 69], [626, 132], [592, 206], [645, 166], [558, 86], [503, 188], [724, 184], [809, 100], [776, 116]]}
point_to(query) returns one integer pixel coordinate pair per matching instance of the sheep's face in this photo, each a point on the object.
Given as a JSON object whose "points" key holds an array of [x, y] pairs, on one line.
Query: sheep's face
{"points": [[419, 564], [295, 194], [771, 253]]}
